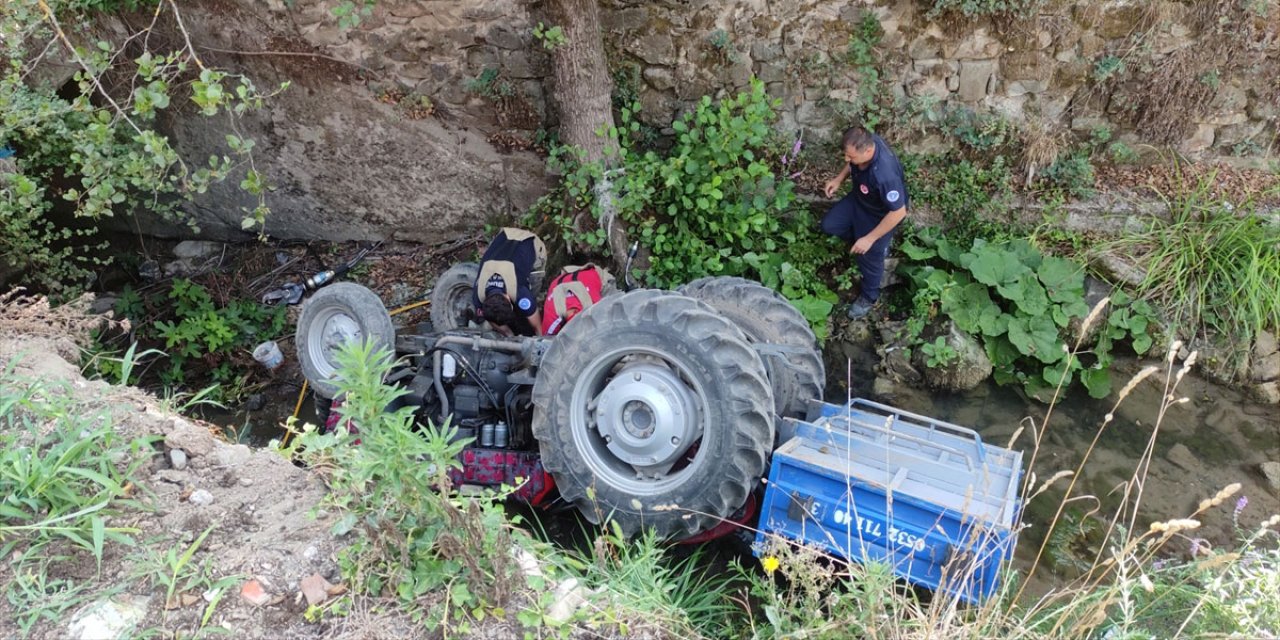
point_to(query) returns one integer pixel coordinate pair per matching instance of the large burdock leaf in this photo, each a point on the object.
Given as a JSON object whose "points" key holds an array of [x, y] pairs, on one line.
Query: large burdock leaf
{"points": [[1036, 337], [1062, 278], [967, 304], [1098, 381], [1027, 293], [993, 267]]}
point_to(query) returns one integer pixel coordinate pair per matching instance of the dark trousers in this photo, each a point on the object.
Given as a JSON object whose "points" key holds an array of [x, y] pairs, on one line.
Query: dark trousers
{"points": [[847, 221]]}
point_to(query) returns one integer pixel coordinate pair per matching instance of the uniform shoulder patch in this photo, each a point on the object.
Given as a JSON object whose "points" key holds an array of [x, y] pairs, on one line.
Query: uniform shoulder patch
{"points": [[526, 304], [892, 196]]}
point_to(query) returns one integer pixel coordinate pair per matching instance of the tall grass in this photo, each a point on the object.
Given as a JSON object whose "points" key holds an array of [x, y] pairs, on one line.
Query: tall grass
{"points": [[1211, 265], [62, 474]]}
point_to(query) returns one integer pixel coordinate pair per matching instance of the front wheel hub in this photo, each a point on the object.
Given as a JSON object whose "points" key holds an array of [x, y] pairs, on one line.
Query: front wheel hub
{"points": [[647, 416], [337, 330]]}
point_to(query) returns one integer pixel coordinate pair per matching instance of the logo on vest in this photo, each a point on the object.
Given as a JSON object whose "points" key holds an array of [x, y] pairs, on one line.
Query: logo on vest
{"points": [[892, 196]]}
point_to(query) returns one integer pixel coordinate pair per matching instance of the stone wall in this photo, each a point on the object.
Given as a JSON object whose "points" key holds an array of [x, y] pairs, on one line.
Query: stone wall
{"points": [[339, 154], [1046, 68]]}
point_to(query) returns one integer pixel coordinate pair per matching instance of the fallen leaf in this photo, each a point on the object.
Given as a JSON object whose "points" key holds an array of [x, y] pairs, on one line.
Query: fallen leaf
{"points": [[315, 588], [337, 589], [253, 593]]}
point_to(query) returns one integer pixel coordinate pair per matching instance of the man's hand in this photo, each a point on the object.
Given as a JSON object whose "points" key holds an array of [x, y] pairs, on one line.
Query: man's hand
{"points": [[833, 185], [862, 246]]}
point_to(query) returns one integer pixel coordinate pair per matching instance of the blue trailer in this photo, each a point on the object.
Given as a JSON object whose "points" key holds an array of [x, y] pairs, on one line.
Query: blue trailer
{"points": [[865, 481]]}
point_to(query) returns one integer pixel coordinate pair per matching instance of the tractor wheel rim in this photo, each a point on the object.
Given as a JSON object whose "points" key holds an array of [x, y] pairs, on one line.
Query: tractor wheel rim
{"points": [[336, 328], [646, 415], [636, 415]]}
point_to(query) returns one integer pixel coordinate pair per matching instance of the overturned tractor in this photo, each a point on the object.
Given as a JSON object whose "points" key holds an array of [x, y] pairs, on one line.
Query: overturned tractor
{"points": [[653, 409]]}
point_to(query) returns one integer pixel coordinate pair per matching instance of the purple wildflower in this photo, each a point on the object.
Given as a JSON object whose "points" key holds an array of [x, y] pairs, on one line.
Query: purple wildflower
{"points": [[1197, 544], [794, 175], [1240, 505]]}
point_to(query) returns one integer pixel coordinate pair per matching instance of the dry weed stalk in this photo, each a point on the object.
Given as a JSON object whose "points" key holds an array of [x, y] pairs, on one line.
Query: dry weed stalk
{"points": [[1043, 143]]}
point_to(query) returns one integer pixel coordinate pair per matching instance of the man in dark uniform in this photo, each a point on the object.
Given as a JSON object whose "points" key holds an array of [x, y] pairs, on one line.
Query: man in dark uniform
{"points": [[867, 217], [503, 295]]}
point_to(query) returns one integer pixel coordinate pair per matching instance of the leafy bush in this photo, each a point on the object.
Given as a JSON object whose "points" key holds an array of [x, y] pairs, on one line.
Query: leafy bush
{"points": [[711, 205], [1073, 174], [413, 537], [1019, 303], [967, 194], [97, 153], [201, 330], [870, 106]]}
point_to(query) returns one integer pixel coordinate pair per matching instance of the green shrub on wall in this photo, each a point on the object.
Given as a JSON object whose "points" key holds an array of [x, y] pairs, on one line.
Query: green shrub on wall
{"points": [[714, 204]]}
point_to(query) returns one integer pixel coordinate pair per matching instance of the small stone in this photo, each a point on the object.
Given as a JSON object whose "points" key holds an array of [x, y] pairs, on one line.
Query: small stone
{"points": [[884, 387], [1271, 471], [232, 456], [315, 589], [114, 618], [246, 482], [253, 593], [178, 458], [569, 597], [1266, 369], [311, 552], [188, 249], [201, 497], [1265, 344], [1181, 456], [171, 475], [1265, 393], [193, 440]]}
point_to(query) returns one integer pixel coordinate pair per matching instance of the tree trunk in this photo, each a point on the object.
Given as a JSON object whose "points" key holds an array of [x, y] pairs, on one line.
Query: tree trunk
{"points": [[582, 91], [583, 85]]}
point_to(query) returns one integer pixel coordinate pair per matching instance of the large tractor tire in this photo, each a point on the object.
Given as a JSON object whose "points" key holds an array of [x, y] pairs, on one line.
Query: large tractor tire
{"points": [[451, 296], [768, 318], [340, 313], [653, 411]]}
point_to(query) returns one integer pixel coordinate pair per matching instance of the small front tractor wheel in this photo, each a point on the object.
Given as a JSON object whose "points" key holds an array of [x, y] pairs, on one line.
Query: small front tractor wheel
{"points": [[338, 314], [797, 376], [653, 411], [451, 296]]}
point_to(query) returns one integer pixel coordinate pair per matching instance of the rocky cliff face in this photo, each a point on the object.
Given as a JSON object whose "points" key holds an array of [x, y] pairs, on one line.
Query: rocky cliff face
{"points": [[387, 128], [346, 158]]}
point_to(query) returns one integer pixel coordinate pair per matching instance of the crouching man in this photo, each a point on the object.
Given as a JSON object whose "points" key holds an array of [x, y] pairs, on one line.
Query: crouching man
{"points": [[504, 294], [867, 217]]}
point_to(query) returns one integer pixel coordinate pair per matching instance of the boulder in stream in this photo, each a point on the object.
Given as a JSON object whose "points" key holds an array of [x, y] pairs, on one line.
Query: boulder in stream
{"points": [[1271, 471], [966, 370]]}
